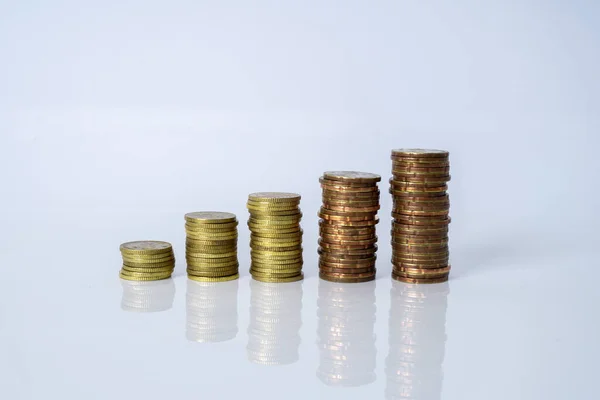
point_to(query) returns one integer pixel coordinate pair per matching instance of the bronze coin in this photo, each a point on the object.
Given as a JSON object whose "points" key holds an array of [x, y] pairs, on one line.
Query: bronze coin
{"points": [[416, 187], [404, 168], [419, 281], [352, 176], [353, 241], [345, 258], [349, 252], [420, 153], [333, 224], [420, 265], [421, 272], [423, 221], [350, 210], [359, 270], [368, 214], [346, 184], [345, 246], [339, 275], [403, 213]]}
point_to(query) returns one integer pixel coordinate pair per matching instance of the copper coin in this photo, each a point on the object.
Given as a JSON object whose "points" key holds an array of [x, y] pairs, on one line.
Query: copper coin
{"points": [[361, 270], [403, 255], [421, 272], [349, 252], [339, 275], [420, 265], [355, 241], [406, 206], [409, 213], [425, 221], [420, 180], [347, 184], [417, 281], [346, 246], [360, 213], [420, 153], [419, 240], [403, 168], [343, 189], [341, 265], [345, 258], [326, 193], [420, 191], [334, 223], [416, 187], [348, 209]]}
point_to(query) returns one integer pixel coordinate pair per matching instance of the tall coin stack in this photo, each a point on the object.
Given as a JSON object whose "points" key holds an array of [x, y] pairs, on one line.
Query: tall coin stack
{"points": [[276, 236], [347, 245], [211, 246], [147, 260], [420, 215]]}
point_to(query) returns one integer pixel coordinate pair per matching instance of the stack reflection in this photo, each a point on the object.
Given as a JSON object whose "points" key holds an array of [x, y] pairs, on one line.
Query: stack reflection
{"points": [[147, 296], [211, 311], [345, 335], [275, 321], [417, 340]]}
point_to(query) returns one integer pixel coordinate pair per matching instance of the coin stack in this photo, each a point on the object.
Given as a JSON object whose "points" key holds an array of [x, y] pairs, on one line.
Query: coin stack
{"points": [[276, 236], [147, 296], [417, 341], [211, 311], [275, 321], [211, 246], [420, 211], [347, 245], [346, 333], [147, 260]]}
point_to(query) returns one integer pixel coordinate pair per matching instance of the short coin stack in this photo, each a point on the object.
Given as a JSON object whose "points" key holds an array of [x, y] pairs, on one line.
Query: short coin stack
{"points": [[147, 260], [420, 211], [347, 244], [211, 246], [276, 236]]}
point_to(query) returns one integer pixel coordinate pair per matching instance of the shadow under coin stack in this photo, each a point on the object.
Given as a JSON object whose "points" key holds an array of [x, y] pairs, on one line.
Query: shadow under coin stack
{"points": [[420, 211], [276, 236], [347, 244], [147, 260], [211, 246]]}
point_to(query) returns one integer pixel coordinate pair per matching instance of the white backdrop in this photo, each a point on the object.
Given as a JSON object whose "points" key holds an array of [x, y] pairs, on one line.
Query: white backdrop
{"points": [[117, 117]]}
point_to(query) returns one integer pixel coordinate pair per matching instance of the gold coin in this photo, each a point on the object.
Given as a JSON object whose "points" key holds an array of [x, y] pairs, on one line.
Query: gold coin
{"points": [[208, 242], [142, 278], [257, 274], [279, 280], [143, 270], [211, 274], [191, 253], [146, 247], [144, 274], [215, 228], [277, 236], [268, 212], [208, 279], [274, 230], [272, 263], [274, 197], [149, 265], [276, 267], [210, 217], [211, 238], [335, 278], [203, 265], [352, 176], [142, 260], [275, 253]]}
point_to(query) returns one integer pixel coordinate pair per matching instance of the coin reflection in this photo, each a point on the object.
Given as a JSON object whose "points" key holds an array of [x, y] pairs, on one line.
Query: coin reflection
{"points": [[417, 340], [211, 311], [275, 321], [345, 335], [147, 296]]}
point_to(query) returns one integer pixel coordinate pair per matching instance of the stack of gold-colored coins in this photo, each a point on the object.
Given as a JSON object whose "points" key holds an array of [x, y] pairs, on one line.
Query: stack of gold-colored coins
{"points": [[348, 215], [275, 321], [417, 341], [421, 207], [346, 333], [211, 246], [147, 260], [276, 236]]}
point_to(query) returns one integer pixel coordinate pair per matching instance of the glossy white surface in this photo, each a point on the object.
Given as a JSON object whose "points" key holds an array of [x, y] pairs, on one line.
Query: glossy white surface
{"points": [[118, 117]]}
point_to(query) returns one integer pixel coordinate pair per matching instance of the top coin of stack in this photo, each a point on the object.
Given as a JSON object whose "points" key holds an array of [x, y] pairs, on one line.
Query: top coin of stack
{"points": [[147, 260], [420, 211], [348, 215], [276, 236], [211, 246]]}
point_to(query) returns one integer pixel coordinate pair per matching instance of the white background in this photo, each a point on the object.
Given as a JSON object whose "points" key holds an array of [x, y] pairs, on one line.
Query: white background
{"points": [[117, 117]]}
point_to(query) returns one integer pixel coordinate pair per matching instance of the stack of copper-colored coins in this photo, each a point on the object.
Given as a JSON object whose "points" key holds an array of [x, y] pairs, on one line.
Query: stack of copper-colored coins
{"points": [[420, 211], [211, 246], [347, 245]]}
